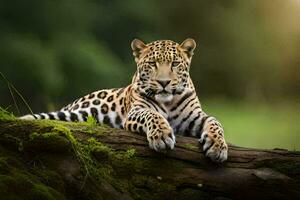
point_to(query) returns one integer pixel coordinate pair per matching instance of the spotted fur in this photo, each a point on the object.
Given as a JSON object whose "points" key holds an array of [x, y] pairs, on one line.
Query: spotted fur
{"points": [[160, 101]]}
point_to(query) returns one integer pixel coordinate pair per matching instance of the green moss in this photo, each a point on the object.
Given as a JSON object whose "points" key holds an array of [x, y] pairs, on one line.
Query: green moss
{"points": [[49, 141], [91, 121], [96, 129], [87, 153], [95, 146], [12, 141], [43, 192], [59, 128], [98, 161], [117, 168], [190, 146], [3, 165], [113, 165], [34, 135], [52, 178], [129, 153], [5, 115], [16, 183], [22, 186], [47, 135]]}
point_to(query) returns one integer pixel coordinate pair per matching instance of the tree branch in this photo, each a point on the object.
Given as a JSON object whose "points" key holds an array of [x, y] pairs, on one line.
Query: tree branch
{"points": [[97, 162]]}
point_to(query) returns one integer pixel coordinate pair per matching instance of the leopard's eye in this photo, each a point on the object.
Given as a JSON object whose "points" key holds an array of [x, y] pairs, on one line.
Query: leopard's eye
{"points": [[175, 63], [153, 64]]}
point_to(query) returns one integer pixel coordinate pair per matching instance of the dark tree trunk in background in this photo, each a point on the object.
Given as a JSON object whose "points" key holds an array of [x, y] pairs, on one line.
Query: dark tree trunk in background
{"points": [[81, 161]]}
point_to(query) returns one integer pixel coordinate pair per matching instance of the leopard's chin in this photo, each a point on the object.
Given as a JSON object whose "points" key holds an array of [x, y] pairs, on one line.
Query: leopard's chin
{"points": [[164, 97]]}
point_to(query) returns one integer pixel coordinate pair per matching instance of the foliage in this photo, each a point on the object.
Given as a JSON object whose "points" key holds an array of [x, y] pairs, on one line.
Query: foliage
{"points": [[54, 56], [258, 125], [54, 52]]}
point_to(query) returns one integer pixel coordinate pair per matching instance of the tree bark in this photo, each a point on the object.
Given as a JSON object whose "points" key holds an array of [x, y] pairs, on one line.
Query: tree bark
{"points": [[85, 161]]}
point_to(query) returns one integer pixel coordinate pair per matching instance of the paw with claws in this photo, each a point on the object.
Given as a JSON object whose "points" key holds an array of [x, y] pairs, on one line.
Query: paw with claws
{"points": [[161, 138], [212, 139], [214, 147]]}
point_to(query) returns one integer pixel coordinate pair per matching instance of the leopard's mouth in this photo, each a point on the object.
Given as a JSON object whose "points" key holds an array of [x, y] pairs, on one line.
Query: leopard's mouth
{"points": [[164, 96]]}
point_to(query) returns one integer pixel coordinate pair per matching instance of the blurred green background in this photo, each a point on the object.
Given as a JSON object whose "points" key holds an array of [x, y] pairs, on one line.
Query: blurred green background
{"points": [[245, 67]]}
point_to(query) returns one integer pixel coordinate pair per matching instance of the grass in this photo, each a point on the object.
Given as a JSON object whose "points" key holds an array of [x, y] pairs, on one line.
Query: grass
{"points": [[258, 125], [5, 115]]}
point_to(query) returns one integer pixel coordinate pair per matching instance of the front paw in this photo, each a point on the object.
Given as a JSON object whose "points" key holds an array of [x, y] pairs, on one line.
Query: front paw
{"points": [[161, 139], [214, 146]]}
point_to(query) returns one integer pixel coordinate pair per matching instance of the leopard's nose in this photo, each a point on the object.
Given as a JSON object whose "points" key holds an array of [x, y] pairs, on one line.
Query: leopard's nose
{"points": [[164, 83]]}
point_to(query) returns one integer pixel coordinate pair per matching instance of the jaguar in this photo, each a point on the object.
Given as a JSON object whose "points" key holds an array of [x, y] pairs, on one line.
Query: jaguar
{"points": [[160, 102]]}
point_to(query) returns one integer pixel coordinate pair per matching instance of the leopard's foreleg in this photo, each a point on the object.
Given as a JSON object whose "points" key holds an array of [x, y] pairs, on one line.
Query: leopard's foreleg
{"points": [[157, 129], [212, 138]]}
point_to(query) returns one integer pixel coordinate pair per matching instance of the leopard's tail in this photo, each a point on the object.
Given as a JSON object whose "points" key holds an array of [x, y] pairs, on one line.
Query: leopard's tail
{"points": [[59, 115]]}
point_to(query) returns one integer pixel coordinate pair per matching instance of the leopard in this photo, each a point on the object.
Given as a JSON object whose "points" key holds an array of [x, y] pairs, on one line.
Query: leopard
{"points": [[160, 102]]}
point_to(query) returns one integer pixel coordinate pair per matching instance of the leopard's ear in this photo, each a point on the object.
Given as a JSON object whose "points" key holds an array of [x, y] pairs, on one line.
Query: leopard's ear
{"points": [[188, 47], [137, 46]]}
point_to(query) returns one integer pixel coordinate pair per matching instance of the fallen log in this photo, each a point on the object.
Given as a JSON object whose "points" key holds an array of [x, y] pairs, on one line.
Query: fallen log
{"points": [[61, 160]]}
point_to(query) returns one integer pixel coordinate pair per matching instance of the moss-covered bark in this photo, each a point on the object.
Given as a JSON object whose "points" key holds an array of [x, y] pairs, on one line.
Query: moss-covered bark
{"points": [[58, 160]]}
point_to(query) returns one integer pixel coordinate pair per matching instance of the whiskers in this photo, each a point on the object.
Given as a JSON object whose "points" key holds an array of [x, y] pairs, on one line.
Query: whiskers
{"points": [[150, 92]]}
